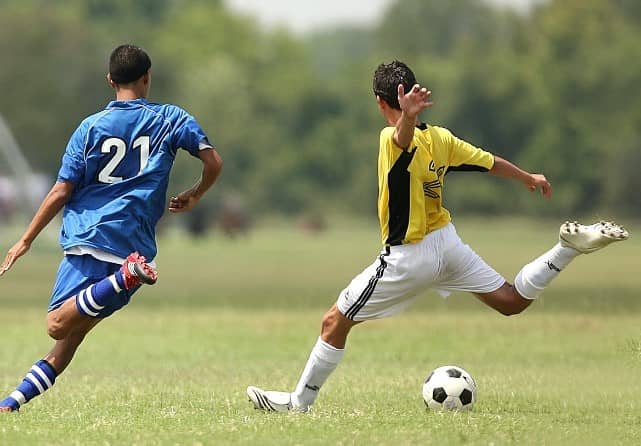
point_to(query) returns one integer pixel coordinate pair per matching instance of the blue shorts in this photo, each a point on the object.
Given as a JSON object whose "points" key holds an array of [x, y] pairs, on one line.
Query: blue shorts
{"points": [[79, 272]]}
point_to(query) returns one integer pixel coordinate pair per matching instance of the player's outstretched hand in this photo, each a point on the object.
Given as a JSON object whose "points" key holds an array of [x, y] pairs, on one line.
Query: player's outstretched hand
{"points": [[183, 202], [415, 101], [16, 251], [538, 181]]}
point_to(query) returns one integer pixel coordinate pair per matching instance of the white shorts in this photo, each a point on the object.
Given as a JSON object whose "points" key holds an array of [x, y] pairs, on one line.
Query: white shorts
{"points": [[441, 261]]}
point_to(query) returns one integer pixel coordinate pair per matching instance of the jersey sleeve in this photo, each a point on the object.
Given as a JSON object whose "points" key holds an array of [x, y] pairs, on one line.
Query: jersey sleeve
{"points": [[465, 156], [189, 136], [73, 161]]}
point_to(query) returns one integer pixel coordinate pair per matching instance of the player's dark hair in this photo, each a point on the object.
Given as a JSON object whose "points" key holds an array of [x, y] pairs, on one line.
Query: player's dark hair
{"points": [[386, 79], [128, 63]]}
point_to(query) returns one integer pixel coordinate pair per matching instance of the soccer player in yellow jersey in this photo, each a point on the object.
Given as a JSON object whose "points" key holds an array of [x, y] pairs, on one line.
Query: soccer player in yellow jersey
{"points": [[421, 249]]}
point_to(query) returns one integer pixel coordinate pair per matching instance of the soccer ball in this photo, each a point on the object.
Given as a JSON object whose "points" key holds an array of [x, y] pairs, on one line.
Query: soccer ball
{"points": [[449, 388]]}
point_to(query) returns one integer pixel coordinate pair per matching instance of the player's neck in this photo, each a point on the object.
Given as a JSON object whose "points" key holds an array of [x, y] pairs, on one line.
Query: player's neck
{"points": [[392, 116], [128, 96]]}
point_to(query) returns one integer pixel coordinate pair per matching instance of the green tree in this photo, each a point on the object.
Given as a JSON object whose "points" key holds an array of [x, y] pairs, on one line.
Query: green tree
{"points": [[52, 77]]}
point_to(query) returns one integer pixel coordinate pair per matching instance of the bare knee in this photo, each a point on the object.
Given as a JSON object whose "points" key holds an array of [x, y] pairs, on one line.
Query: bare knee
{"points": [[57, 331], [56, 328], [506, 300], [60, 332], [66, 320], [335, 327], [514, 303], [510, 310], [329, 322]]}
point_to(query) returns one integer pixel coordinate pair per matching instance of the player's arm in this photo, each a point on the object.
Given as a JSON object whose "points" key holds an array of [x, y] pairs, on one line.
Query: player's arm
{"points": [[212, 165], [51, 205], [412, 103], [533, 181]]}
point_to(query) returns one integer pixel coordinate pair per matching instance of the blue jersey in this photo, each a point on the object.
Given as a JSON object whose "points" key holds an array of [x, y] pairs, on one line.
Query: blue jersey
{"points": [[119, 161]]}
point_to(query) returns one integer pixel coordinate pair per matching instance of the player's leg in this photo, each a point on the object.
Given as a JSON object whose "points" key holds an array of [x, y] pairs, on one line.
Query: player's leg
{"points": [[70, 319], [108, 291], [462, 269], [385, 288], [325, 356], [96, 299], [335, 327], [64, 349], [466, 271], [574, 239], [327, 353], [506, 300], [66, 318], [42, 375]]}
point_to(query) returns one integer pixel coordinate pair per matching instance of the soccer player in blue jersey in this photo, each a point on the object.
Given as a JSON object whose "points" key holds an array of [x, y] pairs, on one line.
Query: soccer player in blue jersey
{"points": [[112, 186], [421, 249]]}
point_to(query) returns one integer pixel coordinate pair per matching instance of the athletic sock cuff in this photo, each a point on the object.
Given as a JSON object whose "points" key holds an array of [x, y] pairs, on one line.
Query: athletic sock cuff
{"points": [[86, 306], [525, 288], [120, 280], [48, 370], [327, 352]]}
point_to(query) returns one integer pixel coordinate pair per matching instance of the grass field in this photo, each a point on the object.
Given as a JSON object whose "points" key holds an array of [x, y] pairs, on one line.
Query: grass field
{"points": [[172, 367]]}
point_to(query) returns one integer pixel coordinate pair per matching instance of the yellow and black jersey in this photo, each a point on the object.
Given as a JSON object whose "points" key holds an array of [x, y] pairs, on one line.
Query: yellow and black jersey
{"points": [[410, 182]]}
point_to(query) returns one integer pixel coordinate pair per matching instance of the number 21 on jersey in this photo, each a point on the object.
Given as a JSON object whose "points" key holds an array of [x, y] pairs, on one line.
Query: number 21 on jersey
{"points": [[120, 146]]}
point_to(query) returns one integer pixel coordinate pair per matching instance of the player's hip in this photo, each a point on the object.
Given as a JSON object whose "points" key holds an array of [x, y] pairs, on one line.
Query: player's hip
{"points": [[441, 261]]}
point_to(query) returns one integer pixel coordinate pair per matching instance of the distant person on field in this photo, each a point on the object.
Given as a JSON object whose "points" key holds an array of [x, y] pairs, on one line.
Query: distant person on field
{"points": [[112, 185], [421, 249]]}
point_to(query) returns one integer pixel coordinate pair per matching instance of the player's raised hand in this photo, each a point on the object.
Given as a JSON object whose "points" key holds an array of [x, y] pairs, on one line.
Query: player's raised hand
{"points": [[415, 101], [538, 181], [16, 251], [183, 202]]}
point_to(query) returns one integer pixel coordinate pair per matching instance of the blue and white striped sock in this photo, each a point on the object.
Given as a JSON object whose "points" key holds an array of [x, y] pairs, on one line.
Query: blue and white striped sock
{"points": [[37, 381], [94, 298]]}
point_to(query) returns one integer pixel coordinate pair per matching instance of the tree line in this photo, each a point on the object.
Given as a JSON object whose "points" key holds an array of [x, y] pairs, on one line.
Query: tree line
{"points": [[555, 90]]}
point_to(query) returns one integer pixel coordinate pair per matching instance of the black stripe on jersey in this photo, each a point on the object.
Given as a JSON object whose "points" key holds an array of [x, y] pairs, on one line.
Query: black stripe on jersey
{"points": [[466, 168], [369, 289], [398, 183]]}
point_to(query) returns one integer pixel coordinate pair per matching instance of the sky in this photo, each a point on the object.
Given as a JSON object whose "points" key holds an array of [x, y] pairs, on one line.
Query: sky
{"points": [[301, 16]]}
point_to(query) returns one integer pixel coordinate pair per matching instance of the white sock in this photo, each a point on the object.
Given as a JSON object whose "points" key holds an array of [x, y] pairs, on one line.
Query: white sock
{"points": [[537, 275], [321, 363]]}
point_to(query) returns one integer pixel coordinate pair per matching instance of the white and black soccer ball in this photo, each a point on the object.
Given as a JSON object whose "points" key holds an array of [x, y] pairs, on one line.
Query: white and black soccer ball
{"points": [[449, 388]]}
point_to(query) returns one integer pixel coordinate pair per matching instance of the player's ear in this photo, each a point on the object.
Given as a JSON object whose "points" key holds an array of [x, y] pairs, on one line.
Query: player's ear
{"points": [[111, 83]]}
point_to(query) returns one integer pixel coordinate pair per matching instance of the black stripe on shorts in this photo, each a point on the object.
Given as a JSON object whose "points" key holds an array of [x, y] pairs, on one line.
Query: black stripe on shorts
{"points": [[369, 289]]}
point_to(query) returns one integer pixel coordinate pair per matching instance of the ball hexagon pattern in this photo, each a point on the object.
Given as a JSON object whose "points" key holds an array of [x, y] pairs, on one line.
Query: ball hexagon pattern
{"points": [[449, 387]]}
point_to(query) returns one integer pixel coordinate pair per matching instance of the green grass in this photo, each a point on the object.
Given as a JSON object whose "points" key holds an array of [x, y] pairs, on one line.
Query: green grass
{"points": [[173, 366]]}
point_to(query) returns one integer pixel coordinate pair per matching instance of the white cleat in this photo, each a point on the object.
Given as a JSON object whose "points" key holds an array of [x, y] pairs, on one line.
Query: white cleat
{"points": [[270, 401], [587, 239]]}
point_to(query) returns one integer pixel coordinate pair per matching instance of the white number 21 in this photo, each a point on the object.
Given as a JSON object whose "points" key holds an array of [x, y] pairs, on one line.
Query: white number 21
{"points": [[142, 142]]}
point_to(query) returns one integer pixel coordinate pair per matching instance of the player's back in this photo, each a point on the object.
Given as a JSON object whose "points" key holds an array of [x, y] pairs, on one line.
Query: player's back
{"points": [[120, 160]]}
